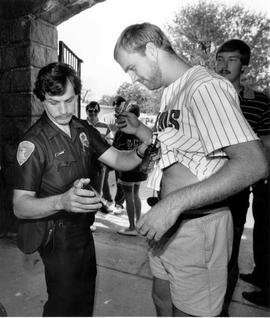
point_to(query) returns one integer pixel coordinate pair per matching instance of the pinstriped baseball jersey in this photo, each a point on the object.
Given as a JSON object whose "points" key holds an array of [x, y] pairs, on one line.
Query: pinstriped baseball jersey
{"points": [[199, 115]]}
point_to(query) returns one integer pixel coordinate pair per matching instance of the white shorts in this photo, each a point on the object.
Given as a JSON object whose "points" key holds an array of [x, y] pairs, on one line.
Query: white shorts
{"points": [[195, 261]]}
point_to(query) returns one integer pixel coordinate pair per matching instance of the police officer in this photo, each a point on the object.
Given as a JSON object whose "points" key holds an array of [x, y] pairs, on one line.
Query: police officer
{"points": [[55, 161]]}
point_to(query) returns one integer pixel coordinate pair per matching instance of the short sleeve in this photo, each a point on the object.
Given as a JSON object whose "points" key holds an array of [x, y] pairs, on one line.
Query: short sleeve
{"points": [[264, 126], [29, 165], [218, 117]]}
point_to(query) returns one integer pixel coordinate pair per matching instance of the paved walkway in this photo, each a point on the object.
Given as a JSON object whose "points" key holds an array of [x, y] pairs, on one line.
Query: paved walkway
{"points": [[123, 281]]}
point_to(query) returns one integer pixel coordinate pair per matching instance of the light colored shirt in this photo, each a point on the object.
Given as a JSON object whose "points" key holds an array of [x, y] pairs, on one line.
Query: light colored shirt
{"points": [[199, 116]]}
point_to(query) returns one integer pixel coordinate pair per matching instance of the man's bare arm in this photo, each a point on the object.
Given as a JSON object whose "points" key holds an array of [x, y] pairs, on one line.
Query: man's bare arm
{"points": [[122, 160], [77, 200], [246, 165]]}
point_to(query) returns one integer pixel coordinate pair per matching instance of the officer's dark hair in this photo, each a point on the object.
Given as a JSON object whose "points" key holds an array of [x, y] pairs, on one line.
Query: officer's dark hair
{"points": [[93, 105], [133, 108], [118, 100], [53, 78], [236, 45], [135, 37]]}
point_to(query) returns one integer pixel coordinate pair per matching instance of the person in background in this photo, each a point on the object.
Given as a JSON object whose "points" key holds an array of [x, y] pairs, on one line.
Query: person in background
{"points": [[208, 153], [232, 59], [119, 198], [130, 180], [109, 119], [92, 111], [55, 163]]}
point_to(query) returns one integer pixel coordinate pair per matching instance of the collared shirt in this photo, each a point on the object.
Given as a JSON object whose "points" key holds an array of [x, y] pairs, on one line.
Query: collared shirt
{"points": [[199, 116], [49, 161], [256, 108]]}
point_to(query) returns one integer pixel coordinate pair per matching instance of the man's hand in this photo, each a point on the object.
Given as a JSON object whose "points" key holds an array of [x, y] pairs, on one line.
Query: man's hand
{"points": [[80, 200], [157, 221], [128, 122]]}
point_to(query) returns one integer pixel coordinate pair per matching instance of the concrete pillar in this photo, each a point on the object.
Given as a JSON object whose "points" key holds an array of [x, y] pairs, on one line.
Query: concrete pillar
{"points": [[26, 45]]}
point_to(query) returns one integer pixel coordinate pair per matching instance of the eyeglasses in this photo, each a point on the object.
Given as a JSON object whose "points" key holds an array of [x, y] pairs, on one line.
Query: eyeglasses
{"points": [[92, 111]]}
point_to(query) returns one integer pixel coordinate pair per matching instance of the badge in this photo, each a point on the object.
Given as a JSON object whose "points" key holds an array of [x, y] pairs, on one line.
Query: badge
{"points": [[58, 154], [84, 140], [24, 151]]}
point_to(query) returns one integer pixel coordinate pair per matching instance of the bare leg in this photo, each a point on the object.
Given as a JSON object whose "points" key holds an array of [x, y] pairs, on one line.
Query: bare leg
{"points": [[162, 297], [130, 205], [137, 201]]}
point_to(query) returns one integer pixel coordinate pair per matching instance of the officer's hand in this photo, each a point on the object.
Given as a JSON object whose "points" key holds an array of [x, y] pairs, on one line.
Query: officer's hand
{"points": [[80, 200], [127, 122]]}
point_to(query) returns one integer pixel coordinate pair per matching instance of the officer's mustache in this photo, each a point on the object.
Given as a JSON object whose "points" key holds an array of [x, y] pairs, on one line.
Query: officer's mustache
{"points": [[66, 116]]}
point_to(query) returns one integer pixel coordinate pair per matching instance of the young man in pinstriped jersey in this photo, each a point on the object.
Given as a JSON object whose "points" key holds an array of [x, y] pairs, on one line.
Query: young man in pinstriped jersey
{"points": [[232, 58], [208, 153]]}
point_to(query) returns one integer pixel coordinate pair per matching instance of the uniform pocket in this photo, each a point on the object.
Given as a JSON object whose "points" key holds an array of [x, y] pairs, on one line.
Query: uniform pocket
{"points": [[62, 165], [66, 169], [31, 235]]}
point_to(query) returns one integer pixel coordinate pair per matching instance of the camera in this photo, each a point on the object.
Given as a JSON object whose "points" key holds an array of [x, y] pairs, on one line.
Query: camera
{"points": [[104, 208]]}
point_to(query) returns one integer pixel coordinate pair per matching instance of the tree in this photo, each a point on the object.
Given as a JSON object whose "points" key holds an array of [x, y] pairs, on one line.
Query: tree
{"points": [[106, 100], [86, 95], [198, 30], [147, 100]]}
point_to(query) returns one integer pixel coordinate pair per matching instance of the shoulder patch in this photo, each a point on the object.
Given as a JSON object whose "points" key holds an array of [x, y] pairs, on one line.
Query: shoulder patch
{"points": [[25, 149]]}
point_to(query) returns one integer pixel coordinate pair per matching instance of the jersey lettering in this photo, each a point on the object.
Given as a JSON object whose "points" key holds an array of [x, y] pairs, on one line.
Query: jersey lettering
{"points": [[168, 119]]}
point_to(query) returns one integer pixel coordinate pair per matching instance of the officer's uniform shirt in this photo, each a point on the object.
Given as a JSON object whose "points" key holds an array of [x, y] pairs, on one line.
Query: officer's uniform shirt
{"points": [[49, 161]]}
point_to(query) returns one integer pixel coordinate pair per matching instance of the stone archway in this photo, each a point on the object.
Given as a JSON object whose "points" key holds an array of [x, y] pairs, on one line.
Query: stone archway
{"points": [[28, 41]]}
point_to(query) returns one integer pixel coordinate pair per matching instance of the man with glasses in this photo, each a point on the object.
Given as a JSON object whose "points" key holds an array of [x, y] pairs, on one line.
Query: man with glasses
{"points": [[119, 198], [92, 111], [55, 160]]}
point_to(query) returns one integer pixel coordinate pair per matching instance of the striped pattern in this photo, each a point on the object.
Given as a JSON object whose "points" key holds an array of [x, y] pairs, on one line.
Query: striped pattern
{"points": [[256, 108], [199, 115]]}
